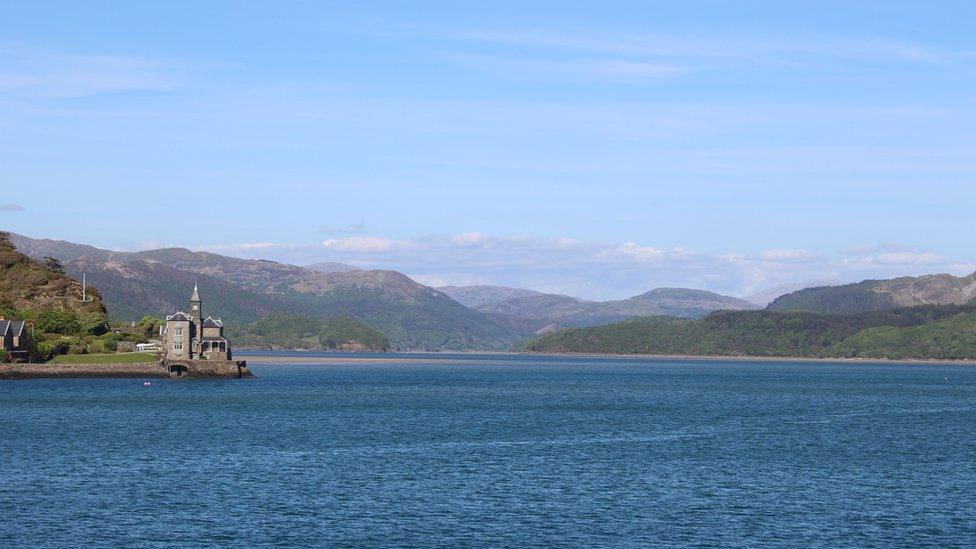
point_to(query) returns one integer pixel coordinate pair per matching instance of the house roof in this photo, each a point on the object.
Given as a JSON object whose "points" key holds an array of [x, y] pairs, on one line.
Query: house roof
{"points": [[211, 322], [15, 327], [213, 339], [178, 317]]}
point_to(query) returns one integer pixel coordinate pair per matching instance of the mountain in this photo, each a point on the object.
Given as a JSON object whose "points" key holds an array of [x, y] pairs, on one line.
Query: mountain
{"points": [[877, 295], [876, 334], [481, 296], [549, 311], [156, 282], [63, 250], [288, 331], [764, 297], [331, 267], [133, 289]]}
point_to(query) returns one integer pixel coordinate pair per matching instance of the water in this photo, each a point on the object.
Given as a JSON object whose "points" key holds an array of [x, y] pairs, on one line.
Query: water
{"points": [[496, 451]]}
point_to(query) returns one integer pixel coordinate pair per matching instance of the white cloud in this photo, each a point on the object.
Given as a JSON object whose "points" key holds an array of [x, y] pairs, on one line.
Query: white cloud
{"points": [[640, 252], [11, 207], [903, 258], [595, 270], [471, 239], [366, 244], [787, 254]]}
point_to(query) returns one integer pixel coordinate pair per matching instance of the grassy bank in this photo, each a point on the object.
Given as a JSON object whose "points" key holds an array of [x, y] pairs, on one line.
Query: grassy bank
{"points": [[111, 358]]}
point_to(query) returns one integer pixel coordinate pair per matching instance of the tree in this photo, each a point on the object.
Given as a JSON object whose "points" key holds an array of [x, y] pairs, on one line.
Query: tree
{"points": [[53, 264]]}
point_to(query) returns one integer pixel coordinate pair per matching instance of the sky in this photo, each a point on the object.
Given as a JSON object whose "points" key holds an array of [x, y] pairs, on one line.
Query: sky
{"points": [[597, 149]]}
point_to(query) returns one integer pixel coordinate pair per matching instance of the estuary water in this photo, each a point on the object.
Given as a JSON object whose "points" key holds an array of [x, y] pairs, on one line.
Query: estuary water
{"points": [[496, 451]]}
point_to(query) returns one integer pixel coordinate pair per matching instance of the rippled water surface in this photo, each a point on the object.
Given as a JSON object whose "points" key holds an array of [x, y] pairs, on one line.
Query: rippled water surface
{"points": [[496, 451]]}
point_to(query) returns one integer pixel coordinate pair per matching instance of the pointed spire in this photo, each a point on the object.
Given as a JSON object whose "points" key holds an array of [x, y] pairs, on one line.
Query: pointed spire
{"points": [[196, 294]]}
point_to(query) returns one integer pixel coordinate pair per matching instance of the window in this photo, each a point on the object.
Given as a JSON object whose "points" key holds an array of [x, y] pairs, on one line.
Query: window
{"points": [[178, 345], [179, 332]]}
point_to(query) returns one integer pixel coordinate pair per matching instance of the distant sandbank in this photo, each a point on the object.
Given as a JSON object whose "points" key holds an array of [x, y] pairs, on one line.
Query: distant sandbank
{"points": [[473, 357]]}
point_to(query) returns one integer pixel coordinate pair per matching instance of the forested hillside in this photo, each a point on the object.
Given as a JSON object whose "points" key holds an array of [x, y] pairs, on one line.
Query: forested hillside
{"points": [[769, 333]]}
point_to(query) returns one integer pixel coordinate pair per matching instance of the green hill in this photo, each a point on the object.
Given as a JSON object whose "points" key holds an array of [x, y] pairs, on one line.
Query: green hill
{"points": [[288, 331], [26, 283], [63, 317], [750, 333], [949, 338]]}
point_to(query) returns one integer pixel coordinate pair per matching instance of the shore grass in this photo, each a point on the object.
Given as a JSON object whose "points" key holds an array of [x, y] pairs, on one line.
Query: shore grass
{"points": [[110, 358]]}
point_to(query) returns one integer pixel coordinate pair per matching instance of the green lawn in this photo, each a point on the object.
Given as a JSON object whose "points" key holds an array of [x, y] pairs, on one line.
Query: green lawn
{"points": [[113, 358]]}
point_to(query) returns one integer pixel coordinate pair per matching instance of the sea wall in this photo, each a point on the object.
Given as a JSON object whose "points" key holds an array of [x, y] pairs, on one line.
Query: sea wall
{"points": [[188, 369], [207, 368], [29, 371]]}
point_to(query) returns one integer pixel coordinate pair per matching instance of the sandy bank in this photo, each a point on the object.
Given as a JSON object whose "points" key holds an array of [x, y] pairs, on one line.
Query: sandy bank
{"points": [[475, 357]]}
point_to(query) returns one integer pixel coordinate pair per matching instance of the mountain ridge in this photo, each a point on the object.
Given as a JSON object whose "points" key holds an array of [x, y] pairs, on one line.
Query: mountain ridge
{"points": [[413, 316], [880, 294]]}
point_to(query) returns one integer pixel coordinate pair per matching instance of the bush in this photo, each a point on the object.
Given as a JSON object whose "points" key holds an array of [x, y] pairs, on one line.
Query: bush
{"points": [[111, 345], [3, 355], [46, 350], [64, 322]]}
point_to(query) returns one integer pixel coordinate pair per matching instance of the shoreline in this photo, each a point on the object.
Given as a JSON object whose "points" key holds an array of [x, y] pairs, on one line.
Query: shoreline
{"points": [[469, 355]]}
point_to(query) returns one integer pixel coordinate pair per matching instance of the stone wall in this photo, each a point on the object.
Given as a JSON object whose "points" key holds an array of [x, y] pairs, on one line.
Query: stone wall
{"points": [[207, 368], [187, 368], [28, 371]]}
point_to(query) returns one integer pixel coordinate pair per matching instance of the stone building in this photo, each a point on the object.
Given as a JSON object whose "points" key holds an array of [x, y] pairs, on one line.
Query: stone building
{"points": [[189, 336], [14, 338]]}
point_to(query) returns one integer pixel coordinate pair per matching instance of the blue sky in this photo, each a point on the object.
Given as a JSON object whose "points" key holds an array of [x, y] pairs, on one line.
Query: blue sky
{"points": [[599, 149]]}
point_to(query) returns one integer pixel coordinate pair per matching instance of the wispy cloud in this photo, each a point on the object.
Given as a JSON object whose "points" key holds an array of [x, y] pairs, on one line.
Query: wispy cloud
{"points": [[366, 244], [51, 74], [11, 207], [800, 49], [786, 255], [354, 228], [613, 69]]}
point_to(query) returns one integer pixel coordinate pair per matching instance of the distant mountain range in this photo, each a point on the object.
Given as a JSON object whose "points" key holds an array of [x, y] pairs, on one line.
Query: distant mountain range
{"points": [[243, 291], [922, 317], [549, 312], [414, 316]]}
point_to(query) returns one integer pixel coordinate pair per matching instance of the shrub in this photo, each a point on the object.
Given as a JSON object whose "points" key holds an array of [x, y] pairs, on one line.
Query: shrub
{"points": [[46, 350], [64, 322], [3, 355]]}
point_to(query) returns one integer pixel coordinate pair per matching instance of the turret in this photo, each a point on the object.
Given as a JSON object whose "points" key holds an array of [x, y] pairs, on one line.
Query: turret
{"points": [[196, 306]]}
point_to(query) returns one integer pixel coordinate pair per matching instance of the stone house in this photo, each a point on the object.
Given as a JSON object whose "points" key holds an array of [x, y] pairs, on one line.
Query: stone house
{"points": [[189, 336], [14, 338]]}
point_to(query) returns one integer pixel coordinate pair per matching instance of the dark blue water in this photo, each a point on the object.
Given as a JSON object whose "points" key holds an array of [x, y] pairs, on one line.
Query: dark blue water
{"points": [[496, 451]]}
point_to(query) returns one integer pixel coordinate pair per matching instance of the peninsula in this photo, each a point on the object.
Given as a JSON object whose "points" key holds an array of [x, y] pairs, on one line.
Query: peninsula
{"points": [[52, 325]]}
